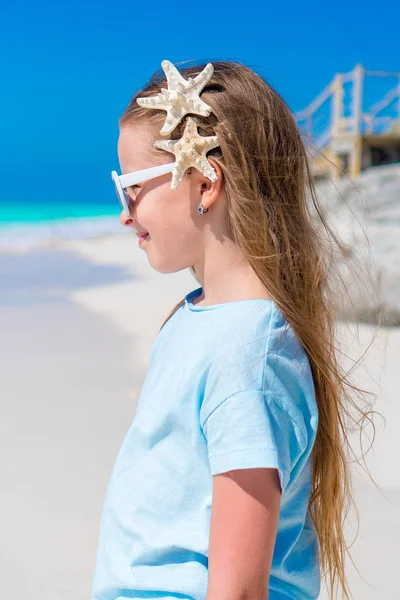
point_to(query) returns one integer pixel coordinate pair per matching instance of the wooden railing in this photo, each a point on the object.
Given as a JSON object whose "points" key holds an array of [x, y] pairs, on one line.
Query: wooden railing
{"points": [[329, 123]]}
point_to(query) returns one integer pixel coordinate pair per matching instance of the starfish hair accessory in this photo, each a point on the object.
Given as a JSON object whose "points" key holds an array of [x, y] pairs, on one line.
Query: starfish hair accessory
{"points": [[180, 99]]}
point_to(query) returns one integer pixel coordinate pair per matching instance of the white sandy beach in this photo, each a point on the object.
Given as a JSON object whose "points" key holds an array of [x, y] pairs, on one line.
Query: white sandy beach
{"points": [[74, 358]]}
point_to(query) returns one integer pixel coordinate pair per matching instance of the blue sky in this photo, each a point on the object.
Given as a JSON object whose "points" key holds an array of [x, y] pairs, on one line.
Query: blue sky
{"points": [[68, 70]]}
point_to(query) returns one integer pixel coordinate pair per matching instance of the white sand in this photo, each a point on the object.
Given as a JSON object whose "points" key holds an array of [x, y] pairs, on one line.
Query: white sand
{"points": [[140, 306], [62, 434]]}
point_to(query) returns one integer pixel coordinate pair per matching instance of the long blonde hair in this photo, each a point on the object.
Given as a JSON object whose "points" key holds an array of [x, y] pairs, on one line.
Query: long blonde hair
{"points": [[272, 205]]}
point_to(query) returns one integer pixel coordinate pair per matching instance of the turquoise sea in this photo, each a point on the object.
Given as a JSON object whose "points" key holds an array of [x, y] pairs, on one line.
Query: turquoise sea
{"points": [[16, 212], [25, 225]]}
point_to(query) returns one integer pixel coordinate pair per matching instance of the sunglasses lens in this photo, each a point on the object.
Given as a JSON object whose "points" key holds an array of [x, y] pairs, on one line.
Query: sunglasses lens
{"points": [[127, 200], [122, 196]]}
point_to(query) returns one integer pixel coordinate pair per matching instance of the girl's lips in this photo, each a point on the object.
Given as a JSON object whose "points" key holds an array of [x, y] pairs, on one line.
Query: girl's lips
{"points": [[142, 238]]}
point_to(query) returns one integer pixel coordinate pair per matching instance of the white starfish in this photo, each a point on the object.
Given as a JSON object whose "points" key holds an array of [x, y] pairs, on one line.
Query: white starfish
{"points": [[182, 96], [190, 151]]}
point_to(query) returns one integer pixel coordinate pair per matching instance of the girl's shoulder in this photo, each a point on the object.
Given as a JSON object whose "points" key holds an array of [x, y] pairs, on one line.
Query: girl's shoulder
{"points": [[270, 359]]}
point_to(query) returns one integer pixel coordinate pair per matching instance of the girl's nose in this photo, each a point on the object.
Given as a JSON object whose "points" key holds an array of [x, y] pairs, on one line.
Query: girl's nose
{"points": [[124, 219]]}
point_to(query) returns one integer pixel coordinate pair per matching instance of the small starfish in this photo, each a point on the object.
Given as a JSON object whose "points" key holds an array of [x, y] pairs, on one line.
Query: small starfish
{"points": [[190, 151], [182, 96]]}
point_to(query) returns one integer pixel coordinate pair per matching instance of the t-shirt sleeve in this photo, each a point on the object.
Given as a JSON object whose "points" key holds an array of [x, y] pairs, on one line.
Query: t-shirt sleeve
{"points": [[253, 428]]}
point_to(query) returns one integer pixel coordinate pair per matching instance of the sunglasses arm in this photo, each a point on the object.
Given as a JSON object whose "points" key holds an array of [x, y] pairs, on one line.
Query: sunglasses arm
{"points": [[145, 174]]}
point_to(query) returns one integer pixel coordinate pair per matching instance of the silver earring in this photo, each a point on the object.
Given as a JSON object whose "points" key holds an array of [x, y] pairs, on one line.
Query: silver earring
{"points": [[201, 209]]}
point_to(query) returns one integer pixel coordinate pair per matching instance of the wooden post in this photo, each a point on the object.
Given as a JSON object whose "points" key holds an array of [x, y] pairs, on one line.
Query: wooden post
{"points": [[357, 110], [337, 112], [337, 103]]}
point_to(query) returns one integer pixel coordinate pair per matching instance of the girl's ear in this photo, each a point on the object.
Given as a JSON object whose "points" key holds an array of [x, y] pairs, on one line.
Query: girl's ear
{"points": [[217, 168], [210, 190], [215, 185]]}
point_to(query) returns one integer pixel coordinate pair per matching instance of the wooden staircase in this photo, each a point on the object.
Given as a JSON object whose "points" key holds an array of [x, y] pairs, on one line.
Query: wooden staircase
{"points": [[342, 135]]}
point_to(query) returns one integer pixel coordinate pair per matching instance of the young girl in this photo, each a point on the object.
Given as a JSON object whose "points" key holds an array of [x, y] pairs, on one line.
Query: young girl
{"points": [[232, 481]]}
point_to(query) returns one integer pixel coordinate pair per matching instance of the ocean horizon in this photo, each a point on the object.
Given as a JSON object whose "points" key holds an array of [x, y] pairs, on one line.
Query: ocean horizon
{"points": [[25, 226]]}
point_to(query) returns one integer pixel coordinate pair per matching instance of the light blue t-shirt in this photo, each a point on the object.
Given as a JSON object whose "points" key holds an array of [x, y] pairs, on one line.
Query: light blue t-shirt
{"points": [[229, 386]]}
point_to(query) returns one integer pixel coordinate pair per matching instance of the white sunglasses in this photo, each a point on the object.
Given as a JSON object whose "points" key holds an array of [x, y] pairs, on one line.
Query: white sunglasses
{"points": [[124, 181]]}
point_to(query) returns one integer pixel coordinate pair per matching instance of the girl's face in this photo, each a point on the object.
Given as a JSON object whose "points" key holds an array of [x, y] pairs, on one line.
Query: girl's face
{"points": [[176, 229]]}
